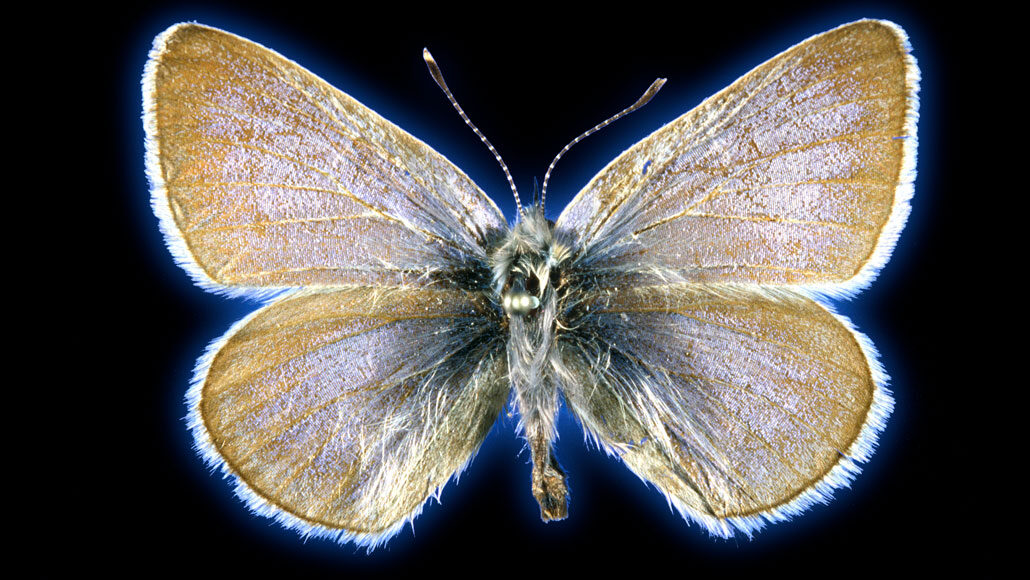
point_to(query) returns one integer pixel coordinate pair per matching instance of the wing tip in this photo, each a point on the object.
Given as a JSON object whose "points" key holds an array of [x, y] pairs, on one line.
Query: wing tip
{"points": [[160, 203], [904, 191]]}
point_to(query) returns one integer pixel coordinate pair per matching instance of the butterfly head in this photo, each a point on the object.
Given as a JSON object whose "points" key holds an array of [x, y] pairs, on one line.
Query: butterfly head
{"points": [[527, 264]]}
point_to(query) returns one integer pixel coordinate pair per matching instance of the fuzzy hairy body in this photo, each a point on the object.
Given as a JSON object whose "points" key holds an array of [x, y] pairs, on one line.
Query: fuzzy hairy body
{"points": [[529, 263]]}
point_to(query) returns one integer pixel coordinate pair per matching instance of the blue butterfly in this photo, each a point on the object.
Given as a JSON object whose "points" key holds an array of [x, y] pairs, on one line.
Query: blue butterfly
{"points": [[677, 305]]}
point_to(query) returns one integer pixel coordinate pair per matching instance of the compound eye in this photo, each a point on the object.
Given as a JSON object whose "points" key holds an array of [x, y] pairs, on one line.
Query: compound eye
{"points": [[519, 302]]}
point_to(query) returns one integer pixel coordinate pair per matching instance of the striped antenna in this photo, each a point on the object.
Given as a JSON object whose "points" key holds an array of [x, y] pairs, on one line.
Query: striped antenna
{"points": [[647, 96], [434, 70]]}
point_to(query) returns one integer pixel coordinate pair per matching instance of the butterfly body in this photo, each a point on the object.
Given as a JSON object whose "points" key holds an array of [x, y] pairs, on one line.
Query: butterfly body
{"points": [[677, 306], [529, 282]]}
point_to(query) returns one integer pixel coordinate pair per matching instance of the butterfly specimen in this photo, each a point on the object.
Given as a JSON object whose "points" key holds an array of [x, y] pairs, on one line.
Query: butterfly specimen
{"points": [[677, 306]]}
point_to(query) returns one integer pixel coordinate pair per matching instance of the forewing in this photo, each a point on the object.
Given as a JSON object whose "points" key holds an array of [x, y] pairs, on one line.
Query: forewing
{"points": [[741, 406], [340, 412], [266, 177], [799, 173]]}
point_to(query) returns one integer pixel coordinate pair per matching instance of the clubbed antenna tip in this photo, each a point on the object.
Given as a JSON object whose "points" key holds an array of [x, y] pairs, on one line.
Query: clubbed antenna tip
{"points": [[434, 71]]}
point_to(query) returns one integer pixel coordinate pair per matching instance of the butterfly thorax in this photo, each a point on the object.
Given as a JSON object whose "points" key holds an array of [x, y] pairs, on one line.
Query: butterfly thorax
{"points": [[528, 285]]}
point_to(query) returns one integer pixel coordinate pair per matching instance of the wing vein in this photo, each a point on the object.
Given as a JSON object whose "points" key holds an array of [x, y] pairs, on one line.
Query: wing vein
{"points": [[754, 162], [786, 411], [342, 191], [755, 218]]}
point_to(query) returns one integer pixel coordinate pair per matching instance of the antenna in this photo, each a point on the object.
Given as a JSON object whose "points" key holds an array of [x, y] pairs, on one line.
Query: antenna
{"points": [[434, 70], [647, 96]]}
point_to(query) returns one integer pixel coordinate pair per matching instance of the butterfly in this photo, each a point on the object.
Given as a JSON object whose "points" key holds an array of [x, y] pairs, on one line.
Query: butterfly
{"points": [[678, 306]]}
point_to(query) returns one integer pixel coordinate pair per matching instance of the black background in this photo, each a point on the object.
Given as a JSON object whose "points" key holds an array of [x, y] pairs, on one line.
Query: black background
{"points": [[129, 495]]}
